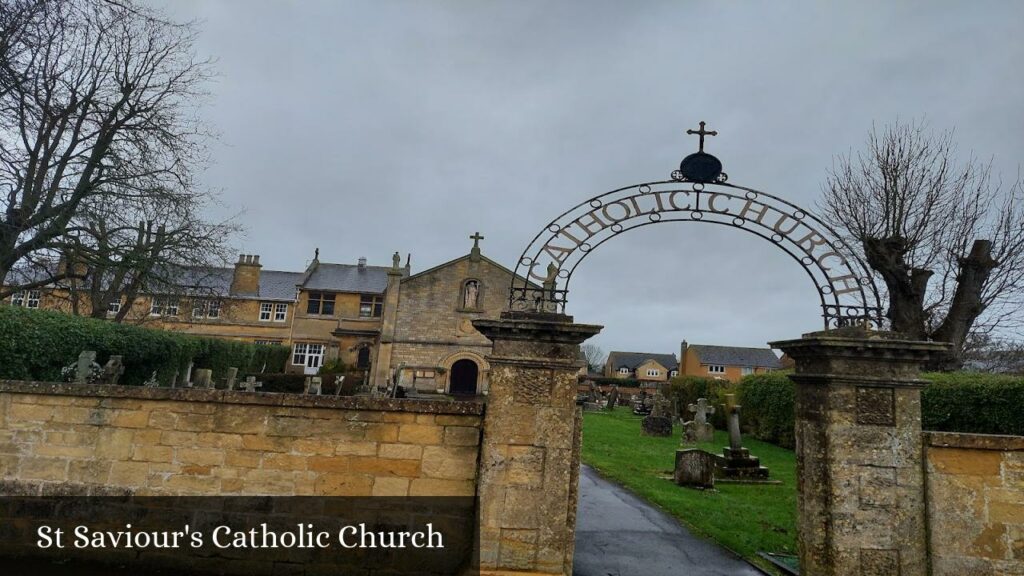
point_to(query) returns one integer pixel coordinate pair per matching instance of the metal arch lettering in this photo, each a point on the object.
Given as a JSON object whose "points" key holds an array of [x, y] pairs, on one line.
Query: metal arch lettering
{"points": [[846, 290]]}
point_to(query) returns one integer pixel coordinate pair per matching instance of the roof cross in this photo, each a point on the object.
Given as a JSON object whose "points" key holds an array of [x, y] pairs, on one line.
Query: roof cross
{"points": [[702, 133], [476, 238]]}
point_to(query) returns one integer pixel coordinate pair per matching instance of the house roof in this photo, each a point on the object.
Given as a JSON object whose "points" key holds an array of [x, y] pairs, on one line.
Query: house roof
{"points": [[633, 359], [736, 356], [466, 257], [348, 278]]}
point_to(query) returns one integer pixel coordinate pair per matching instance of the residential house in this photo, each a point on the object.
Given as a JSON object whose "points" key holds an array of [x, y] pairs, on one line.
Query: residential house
{"points": [[726, 362]]}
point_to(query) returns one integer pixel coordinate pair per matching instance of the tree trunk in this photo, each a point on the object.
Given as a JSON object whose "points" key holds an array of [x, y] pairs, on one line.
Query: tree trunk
{"points": [[906, 286], [967, 304]]}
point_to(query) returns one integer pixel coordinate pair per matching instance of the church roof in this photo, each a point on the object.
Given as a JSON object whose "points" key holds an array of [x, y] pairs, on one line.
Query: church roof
{"points": [[736, 356], [633, 359], [461, 258]]}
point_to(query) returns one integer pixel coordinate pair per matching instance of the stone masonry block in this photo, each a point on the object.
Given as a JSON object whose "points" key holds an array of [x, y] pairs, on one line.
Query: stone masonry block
{"points": [[420, 434]]}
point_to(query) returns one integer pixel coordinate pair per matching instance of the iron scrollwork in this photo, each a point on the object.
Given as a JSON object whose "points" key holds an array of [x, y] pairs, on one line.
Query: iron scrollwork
{"points": [[697, 192]]}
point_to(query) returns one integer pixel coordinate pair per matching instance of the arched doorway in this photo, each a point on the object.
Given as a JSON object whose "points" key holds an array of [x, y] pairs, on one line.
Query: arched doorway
{"points": [[464, 376]]}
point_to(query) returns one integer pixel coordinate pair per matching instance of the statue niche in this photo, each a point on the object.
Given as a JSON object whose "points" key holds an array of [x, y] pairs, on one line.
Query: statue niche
{"points": [[471, 295]]}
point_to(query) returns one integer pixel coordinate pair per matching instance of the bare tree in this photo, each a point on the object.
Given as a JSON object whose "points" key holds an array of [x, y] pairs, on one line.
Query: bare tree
{"points": [[945, 237], [96, 107], [594, 356]]}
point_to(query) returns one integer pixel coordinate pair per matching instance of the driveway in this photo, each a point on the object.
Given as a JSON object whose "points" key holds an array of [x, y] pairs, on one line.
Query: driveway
{"points": [[618, 534]]}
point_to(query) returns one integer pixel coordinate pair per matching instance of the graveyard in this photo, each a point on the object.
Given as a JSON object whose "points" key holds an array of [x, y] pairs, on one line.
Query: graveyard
{"points": [[746, 518]]}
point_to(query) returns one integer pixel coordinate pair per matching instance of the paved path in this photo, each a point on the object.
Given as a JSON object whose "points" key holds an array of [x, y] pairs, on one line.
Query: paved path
{"points": [[618, 534]]}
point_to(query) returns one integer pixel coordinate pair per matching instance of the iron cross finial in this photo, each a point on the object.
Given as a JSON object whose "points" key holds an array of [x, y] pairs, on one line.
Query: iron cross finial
{"points": [[702, 133], [476, 238]]}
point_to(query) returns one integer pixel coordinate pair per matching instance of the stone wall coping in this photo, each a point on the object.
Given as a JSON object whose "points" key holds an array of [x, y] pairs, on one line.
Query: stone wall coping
{"points": [[460, 407], [837, 339], [975, 441]]}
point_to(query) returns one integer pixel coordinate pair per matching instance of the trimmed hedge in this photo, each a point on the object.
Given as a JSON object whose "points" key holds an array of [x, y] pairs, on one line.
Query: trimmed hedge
{"points": [[973, 402], [768, 407], [968, 402], [36, 344], [685, 390]]}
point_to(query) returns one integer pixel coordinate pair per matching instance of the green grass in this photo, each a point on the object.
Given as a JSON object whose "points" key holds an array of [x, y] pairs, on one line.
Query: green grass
{"points": [[745, 518]]}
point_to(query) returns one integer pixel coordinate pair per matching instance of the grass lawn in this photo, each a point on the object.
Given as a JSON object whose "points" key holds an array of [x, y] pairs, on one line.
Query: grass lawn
{"points": [[746, 518]]}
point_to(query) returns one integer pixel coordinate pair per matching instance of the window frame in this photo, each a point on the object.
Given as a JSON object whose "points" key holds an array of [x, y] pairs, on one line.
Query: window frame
{"points": [[268, 308], [371, 305], [280, 312], [33, 298], [747, 370], [113, 307], [716, 369], [623, 370], [653, 372], [317, 303]]}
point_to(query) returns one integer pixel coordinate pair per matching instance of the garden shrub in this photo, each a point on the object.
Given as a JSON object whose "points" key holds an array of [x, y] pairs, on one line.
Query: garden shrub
{"points": [[37, 344]]}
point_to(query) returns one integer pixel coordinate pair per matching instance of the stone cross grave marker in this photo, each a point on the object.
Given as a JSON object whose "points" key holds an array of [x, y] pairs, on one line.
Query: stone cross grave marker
{"points": [[113, 370], [314, 384], [204, 378], [231, 377], [338, 381], [250, 384], [738, 463], [83, 368], [699, 429], [732, 415]]}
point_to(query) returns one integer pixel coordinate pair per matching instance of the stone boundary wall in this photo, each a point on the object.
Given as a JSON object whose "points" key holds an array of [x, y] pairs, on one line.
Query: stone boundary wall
{"points": [[58, 438], [975, 503]]}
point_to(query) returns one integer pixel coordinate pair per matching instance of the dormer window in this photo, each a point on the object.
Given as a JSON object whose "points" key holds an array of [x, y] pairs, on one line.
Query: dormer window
{"points": [[623, 370]]}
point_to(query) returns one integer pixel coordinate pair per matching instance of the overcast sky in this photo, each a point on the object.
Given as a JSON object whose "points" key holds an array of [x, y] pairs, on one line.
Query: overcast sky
{"points": [[363, 128]]}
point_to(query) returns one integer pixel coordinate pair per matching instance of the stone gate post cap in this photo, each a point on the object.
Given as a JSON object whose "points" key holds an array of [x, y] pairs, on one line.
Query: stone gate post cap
{"points": [[539, 326], [858, 338]]}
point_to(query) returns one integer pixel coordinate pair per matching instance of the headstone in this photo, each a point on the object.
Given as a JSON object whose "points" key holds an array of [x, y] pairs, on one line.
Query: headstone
{"points": [[314, 385], [188, 376], [613, 397], [699, 429], [204, 378], [152, 382], [250, 384], [694, 468], [232, 375], [174, 379], [113, 370], [659, 422], [84, 366], [338, 382], [738, 463]]}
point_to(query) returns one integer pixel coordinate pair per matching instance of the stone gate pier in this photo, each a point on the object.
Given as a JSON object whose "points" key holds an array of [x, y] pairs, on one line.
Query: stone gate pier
{"points": [[860, 470], [530, 453]]}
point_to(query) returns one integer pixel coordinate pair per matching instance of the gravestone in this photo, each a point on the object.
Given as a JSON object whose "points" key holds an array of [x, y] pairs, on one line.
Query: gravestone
{"points": [[314, 384], [738, 463], [659, 422], [113, 370], [338, 382], [188, 376], [84, 366], [152, 382], [204, 378], [613, 397], [694, 468], [232, 375], [699, 429], [250, 384]]}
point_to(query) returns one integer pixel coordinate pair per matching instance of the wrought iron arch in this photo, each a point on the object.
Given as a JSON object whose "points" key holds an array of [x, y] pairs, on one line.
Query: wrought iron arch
{"points": [[697, 192]]}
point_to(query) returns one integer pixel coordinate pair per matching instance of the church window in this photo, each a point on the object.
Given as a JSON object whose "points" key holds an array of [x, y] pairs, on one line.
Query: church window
{"points": [[280, 312], [320, 303], [371, 306], [265, 309], [716, 369]]}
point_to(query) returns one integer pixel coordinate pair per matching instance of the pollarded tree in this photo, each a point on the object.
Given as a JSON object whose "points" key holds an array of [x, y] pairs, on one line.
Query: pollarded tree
{"points": [[944, 236], [96, 103]]}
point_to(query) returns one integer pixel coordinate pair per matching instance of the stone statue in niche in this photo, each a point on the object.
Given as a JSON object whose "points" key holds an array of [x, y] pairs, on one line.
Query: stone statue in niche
{"points": [[470, 294]]}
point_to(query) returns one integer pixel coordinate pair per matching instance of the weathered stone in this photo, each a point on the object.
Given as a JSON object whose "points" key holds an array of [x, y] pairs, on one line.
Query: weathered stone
{"points": [[656, 426], [699, 429], [694, 468]]}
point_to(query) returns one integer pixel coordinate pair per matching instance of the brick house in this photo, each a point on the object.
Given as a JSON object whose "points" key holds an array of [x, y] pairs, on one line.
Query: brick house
{"points": [[643, 366], [726, 362]]}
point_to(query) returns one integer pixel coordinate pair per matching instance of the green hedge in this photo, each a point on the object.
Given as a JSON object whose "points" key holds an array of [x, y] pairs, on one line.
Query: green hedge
{"points": [[36, 344], [685, 390], [952, 402], [973, 402], [767, 413]]}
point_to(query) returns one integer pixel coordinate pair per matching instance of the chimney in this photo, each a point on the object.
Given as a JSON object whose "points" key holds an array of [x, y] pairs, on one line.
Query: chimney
{"points": [[682, 356], [246, 279], [362, 262]]}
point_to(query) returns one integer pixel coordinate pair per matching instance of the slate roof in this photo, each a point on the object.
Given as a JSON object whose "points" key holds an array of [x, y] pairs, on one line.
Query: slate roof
{"points": [[348, 278], [633, 359], [736, 356]]}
